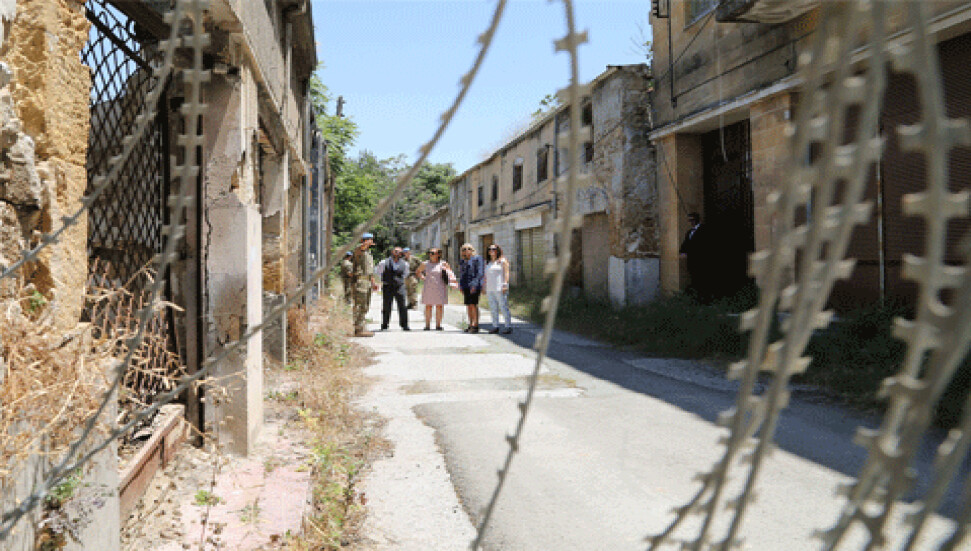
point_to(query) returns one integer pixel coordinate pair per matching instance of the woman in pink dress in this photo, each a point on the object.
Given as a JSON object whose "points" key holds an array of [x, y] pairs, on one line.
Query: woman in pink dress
{"points": [[435, 272]]}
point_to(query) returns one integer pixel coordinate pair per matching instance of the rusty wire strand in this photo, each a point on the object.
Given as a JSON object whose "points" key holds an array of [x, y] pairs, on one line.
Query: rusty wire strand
{"points": [[190, 11], [191, 109], [557, 267], [937, 338]]}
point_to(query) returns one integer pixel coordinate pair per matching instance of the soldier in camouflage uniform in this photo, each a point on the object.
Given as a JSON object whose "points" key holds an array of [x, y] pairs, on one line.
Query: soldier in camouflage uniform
{"points": [[347, 276], [363, 283], [411, 282]]}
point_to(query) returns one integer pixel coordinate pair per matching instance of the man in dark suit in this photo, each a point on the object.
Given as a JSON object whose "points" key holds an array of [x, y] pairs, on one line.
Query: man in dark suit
{"points": [[696, 253], [393, 271]]}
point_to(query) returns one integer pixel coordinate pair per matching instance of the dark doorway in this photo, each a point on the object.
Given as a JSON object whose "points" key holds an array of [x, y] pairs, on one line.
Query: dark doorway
{"points": [[728, 216], [459, 241]]}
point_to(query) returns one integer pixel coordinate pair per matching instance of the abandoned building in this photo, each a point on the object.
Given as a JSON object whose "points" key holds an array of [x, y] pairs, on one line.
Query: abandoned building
{"points": [[261, 216], [514, 197], [428, 232], [723, 97]]}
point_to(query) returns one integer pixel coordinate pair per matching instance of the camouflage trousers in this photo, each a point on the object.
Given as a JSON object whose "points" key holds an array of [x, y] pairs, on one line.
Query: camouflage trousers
{"points": [[362, 302], [348, 291], [411, 283]]}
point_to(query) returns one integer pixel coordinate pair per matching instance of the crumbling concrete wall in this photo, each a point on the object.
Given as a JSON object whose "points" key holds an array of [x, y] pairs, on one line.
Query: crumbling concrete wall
{"points": [[625, 182], [44, 120], [275, 199], [43, 142], [233, 252]]}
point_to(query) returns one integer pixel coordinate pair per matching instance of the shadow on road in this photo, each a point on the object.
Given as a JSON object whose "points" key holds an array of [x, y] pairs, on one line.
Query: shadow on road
{"points": [[813, 426]]}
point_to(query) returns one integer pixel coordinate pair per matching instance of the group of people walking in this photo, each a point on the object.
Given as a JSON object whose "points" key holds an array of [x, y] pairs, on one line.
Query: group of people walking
{"points": [[401, 273]]}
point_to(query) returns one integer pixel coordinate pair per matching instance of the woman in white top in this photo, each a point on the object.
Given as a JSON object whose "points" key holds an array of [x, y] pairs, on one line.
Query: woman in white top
{"points": [[497, 288]]}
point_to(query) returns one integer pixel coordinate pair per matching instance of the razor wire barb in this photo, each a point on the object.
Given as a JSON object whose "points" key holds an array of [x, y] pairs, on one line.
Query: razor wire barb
{"points": [[937, 338], [833, 86], [192, 109], [185, 12], [557, 266]]}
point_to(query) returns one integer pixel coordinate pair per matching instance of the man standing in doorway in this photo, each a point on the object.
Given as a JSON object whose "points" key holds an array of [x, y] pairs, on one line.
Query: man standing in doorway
{"points": [[363, 282], [347, 276], [393, 271], [695, 252], [412, 280]]}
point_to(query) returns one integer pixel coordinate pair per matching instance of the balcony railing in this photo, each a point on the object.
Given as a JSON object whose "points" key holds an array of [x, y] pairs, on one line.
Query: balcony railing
{"points": [[763, 11]]}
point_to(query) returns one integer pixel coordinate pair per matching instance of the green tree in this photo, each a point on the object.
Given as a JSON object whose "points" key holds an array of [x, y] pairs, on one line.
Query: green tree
{"points": [[549, 103], [339, 132], [361, 182]]}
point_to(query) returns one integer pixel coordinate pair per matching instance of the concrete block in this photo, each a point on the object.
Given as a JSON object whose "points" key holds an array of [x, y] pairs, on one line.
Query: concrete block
{"points": [[235, 304], [633, 282], [643, 277], [616, 282]]}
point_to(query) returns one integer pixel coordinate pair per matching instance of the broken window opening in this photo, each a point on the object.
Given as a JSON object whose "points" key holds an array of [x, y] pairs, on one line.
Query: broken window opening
{"points": [[517, 174], [542, 161]]}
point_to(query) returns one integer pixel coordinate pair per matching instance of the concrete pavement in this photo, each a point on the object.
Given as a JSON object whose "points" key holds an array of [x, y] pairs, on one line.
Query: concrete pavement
{"points": [[611, 445]]}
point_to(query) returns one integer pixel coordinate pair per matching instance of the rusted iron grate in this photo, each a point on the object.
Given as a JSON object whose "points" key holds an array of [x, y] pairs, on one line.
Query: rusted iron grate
{"points": [[125, 224]]}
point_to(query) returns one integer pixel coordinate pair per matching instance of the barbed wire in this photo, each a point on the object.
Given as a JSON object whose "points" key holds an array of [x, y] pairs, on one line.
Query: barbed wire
{"points": [[192, 109], [823, 241], [185, 11], [937, 338], [938, 331], [837, 181], [556, 266]]}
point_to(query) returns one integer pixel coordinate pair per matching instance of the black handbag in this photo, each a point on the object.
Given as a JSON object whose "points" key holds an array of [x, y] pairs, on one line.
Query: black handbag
{"points": [[445, 276]]}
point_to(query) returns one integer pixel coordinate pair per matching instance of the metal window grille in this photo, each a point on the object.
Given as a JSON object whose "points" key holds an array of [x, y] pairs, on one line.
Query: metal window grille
{"points": [[125, 223]]}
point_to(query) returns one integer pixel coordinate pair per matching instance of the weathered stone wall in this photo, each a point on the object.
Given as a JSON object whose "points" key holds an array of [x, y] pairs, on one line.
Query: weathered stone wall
{"points": [[43, 143], [679, 174], [747, 56], [770, 149], [624, 186], [624, 164]]}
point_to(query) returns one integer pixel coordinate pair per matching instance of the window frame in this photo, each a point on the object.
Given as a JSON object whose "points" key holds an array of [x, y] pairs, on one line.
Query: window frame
{"points": [[690, 17], [542, 164], [495, 188], [481, 195], [517, 174]]}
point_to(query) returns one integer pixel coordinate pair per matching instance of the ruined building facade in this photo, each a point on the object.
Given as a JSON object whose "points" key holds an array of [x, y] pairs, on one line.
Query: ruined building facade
{"points": [[723, 98], [515, 196], [74, 76]]}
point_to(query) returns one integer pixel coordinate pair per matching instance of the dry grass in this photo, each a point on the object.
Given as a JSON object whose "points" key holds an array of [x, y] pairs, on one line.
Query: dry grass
{"points": [[328, 370], [50, 381]]}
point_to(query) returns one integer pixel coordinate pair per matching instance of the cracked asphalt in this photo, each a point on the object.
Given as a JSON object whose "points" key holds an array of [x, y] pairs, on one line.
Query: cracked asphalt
{"points": [[612, 444]]}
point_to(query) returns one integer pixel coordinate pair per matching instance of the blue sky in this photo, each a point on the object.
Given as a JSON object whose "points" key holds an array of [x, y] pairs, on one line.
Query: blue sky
{"points": [[398, 62]]}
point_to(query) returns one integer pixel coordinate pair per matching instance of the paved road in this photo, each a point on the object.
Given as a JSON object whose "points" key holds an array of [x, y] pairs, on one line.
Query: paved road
{"points": [[610, 447]]}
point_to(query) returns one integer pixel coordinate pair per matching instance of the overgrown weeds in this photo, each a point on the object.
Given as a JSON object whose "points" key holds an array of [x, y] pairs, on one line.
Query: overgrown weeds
{"points": [[674, 327], [328, 370], [51, 381]]}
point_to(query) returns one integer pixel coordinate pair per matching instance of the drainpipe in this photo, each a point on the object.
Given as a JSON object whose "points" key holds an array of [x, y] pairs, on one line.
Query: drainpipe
{"points": [[556, 159], [674, 99], [881, 238]]}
